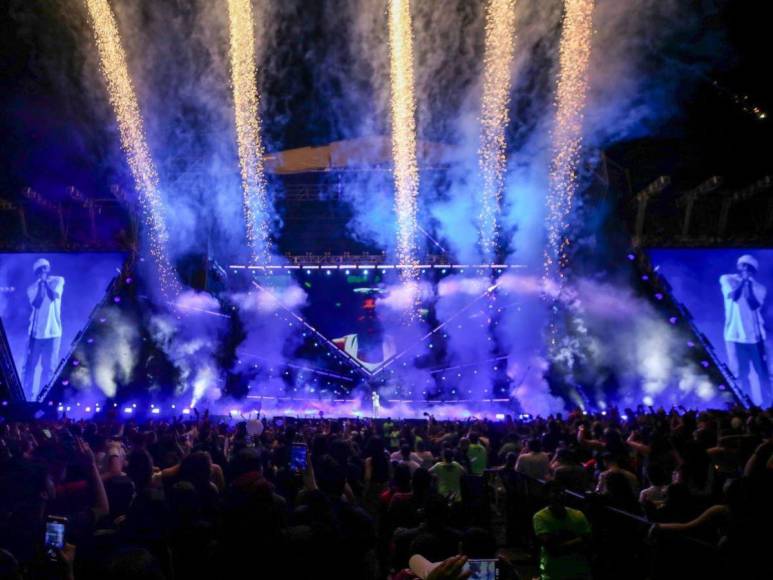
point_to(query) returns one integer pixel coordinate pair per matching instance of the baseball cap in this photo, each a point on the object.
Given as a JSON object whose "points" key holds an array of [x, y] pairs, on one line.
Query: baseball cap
{"points": [[749, 260], [40, 262]]}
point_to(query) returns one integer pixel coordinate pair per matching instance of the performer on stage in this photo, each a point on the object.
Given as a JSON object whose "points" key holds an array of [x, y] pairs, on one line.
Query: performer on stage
{"points": [[45, 328], [744, 326]]}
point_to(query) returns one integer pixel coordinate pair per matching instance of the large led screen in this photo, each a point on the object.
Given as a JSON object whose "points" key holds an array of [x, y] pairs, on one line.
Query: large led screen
{"points": [[45, 300], [726, 292]]}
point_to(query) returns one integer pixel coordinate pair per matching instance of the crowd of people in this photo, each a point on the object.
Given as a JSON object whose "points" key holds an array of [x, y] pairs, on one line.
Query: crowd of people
{"points": [[202, 496]]}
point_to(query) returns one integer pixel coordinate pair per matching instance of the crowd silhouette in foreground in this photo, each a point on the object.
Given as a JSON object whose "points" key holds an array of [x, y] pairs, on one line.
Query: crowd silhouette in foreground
{"points": [[640, 493]]}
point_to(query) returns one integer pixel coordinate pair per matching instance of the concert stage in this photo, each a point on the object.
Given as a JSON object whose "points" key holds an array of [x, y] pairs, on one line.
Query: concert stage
{"points": [[356, 340]]}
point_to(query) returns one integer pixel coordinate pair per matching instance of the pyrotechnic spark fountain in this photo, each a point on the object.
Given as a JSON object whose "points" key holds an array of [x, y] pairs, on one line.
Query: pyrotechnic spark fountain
{"points": [[123, 99], [500, 36], [246, 105], [571, 92], [406, 173]]}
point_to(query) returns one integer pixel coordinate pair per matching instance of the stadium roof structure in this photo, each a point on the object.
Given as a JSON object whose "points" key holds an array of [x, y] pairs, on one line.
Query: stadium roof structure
{"points": [[361, 153]]}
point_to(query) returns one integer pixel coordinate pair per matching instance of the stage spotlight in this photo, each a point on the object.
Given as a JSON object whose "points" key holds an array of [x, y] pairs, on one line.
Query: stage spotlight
{"points": [[88, 409], [186, 411], [128, 410], [499, 416], [631, 257], [155, 410]]}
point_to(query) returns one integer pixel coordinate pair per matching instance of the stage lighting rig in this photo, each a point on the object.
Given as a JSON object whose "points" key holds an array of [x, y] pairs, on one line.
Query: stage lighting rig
{"points": [[688, 199], [642, 199], [736, 197]]}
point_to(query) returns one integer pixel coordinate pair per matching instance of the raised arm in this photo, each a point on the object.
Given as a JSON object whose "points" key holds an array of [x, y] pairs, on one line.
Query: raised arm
{"points": [[640, 448], [36, 296], [85, 456], [54, 288], [754, 297], [707, 516], [729, 289]]}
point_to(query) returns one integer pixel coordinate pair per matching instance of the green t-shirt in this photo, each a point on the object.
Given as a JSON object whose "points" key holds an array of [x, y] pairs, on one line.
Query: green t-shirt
{"points": [[449, 477], [478, 457], [567, 566]]}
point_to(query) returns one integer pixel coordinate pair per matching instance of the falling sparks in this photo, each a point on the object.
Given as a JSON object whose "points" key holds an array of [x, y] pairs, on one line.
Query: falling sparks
{"points": [[406, 173], [124, 102], [567, 133], [246, 104], [500, 31]]}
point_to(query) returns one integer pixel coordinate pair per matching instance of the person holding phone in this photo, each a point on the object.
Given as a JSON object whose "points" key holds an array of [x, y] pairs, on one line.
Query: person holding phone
{"points": [[298, 457], [54, 538]]}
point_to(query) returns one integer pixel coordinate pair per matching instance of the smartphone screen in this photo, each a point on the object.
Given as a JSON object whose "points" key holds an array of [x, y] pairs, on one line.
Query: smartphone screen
{"points": [[298, 456], [482, 569], [54, 539]]}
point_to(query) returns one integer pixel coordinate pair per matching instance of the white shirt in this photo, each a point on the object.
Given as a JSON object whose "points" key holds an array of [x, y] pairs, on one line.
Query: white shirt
{"points": [[398, 457], [535, 465], [654, 493], [47, 320], [742, 324]]}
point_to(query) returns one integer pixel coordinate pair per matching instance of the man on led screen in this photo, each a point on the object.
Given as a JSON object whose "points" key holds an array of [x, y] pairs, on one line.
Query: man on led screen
{"points": [[45, 328], [368, 344], [744, 326]]}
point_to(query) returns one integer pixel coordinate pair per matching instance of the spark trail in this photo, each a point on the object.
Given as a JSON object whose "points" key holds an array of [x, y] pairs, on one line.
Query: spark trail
{"points": [[123, 99], [574, 56], [246, 108], [406, 173], [492, 160]]}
